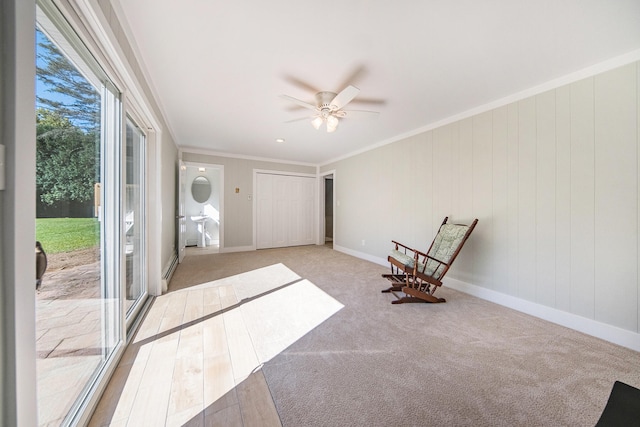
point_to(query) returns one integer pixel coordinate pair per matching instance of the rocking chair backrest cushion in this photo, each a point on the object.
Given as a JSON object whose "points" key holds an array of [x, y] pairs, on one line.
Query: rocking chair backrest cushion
{"points": [[444, 247]]}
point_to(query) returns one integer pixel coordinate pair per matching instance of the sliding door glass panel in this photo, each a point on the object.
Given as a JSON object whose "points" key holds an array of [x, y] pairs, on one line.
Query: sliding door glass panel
{"points": [[78, 297], [134, 223]]}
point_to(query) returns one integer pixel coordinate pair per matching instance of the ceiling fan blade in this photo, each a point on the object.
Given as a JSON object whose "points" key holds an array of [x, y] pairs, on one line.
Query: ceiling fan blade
{"points": [[299, 119], [370, 101], [345, 96], [359, 113], [356, 75], [295, 108], [301, 83], [297, 101]]}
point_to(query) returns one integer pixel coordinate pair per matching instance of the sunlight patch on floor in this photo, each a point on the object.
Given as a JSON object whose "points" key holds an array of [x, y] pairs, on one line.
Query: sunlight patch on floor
{"points": [[278, 320], [197, 354]]}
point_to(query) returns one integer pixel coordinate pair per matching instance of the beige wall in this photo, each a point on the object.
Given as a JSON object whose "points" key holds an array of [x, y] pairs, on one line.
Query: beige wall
{"points": [[238, 210], [553, 179]]}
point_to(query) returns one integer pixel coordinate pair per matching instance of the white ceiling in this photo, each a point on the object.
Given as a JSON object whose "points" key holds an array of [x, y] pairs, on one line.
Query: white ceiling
{"points": [[218, 67]]}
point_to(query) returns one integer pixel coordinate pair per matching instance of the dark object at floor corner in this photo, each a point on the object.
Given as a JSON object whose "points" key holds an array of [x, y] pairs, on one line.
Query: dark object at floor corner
{"points": [[623, 407]]}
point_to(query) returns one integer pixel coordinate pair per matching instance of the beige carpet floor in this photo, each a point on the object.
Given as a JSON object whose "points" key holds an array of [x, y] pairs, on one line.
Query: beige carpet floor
{"points": [[466, 362]]}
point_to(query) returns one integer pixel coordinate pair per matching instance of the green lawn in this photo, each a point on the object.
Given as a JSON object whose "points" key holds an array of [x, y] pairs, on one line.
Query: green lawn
{"points": [[67, 234]]}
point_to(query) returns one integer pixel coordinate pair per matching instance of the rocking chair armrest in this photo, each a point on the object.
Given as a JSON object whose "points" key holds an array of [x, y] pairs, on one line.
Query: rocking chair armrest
{"points": [[422, 254], [404, 246]]}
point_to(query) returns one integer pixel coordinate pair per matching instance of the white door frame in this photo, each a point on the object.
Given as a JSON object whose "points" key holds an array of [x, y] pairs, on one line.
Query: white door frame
{"points": [[321, 205], [181, 216]]}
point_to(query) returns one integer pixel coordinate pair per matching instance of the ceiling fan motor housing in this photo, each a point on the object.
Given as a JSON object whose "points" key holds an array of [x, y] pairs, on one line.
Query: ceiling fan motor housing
{"points": [[329, 106], [323, 100]]}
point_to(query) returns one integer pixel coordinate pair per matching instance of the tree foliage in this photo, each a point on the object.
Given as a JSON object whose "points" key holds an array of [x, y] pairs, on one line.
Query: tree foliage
{"points": [[67, 129], [71, 94], [66, 159]]}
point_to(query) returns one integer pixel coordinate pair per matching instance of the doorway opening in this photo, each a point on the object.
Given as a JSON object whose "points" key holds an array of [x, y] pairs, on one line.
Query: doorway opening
{"points": [[202, 196], [327, 205], [328, 210]]}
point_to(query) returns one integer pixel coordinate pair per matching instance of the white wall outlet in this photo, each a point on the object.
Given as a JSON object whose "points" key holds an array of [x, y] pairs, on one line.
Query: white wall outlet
{"points": [[363, 242]]}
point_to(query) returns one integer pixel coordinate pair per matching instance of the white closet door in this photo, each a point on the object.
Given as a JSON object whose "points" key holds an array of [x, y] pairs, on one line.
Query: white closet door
{"points": [[285, 210], [297, 218], [281, 211], [303, 208], [264, 208]]}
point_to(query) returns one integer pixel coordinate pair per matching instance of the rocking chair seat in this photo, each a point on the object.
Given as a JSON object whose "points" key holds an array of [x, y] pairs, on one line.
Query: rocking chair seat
{"points": [[402, 258]]}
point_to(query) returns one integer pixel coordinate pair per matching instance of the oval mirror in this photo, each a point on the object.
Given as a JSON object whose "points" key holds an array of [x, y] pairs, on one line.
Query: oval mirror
{"points": [[200, 189]]}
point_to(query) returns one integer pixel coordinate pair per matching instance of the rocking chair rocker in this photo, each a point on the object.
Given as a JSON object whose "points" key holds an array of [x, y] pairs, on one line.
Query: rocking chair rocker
{"points": [[418, 274]]}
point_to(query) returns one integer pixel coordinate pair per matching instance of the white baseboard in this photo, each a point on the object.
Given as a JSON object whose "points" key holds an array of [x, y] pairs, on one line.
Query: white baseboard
{"points": [[585, 325], [238, 249], [167, 271], [361, 255]]}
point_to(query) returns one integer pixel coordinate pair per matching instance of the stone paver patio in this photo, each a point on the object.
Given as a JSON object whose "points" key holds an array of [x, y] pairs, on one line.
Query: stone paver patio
{"points": [[68, 338]]}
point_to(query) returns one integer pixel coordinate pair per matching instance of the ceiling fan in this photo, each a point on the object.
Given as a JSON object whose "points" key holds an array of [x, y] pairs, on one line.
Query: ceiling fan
{"points": [[329, 108]]}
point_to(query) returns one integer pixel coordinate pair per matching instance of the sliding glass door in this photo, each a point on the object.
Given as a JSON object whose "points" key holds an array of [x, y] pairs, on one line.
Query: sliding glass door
{"points": [[134, 223], [91, 261]]}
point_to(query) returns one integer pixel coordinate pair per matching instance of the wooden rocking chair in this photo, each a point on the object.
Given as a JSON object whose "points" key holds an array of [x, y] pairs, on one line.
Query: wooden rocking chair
{"points": [[418, 274]]}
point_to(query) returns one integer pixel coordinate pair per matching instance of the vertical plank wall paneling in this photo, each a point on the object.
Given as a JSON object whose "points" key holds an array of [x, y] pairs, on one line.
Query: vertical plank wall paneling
{"points": [[465, 194], [554, 180], [513, 155], [455, 169], [616, 170], [364, 183], [384, 232], [546, 198], [423, 224], [414, 176], [582, 199], [563, 199], [351, 182], [372, 221], [483, 198], [500, 202], [400, 176], [527, 199], [442, 176]]}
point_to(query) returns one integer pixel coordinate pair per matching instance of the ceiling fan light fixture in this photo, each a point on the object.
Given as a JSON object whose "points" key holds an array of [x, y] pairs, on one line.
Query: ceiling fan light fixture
{"points": [[332, 123], [329, 107], [317, 122]]}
